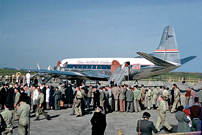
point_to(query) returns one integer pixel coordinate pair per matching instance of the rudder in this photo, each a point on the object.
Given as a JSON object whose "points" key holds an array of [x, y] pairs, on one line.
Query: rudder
{"points": [[167, 49]]}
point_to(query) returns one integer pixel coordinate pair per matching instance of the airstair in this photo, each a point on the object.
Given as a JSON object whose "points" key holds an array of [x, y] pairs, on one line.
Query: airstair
{"points": [[119, 73]]}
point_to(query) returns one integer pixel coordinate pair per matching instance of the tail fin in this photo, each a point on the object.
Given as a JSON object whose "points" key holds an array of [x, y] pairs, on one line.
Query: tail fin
{"points": [[38, 66], [167, 49]]}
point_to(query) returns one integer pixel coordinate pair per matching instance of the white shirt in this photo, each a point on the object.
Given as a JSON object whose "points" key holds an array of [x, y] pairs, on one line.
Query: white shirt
{"points": [[28, 75], [47, 94], [35, 96]]}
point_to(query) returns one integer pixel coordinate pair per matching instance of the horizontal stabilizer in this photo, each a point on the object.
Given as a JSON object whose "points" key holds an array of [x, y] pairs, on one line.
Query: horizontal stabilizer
{"points": [[155, 60], [185, 60]]}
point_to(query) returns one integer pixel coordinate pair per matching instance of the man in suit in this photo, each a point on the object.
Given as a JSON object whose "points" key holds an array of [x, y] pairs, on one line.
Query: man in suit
{"points": [[102, 100], [57, 97], [162, 115], [129, 100], [176, 98], [109, 98], [115, 92], [23, 112], [145, 126], [16, 103], [154, 96], [122, 98], [137, 96], [40, 105], [6, 119], [143, 92], [148, 95], [89, 96], [96, 97]]}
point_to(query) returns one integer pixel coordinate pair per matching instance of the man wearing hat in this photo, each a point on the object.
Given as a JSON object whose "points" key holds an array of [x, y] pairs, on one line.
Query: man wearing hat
{"points": [[23, 112], [6, 119], [98, 122], [145, 126]]}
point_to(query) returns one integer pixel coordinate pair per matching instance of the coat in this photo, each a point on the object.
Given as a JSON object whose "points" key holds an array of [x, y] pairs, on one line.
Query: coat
{"points": [[23, 113], [40, 100], [98, 122], [129, 96], [7, 116], [182, 122], [102, 96], [137, 94], [122, 94], [142, 91], [57, 94], [51, 98], [166, 93], [200, 96], [69, 95], [9, 97], [17, 98], [115, 92], [162, 109], [89, 94], [146, 127], [155, 96]]}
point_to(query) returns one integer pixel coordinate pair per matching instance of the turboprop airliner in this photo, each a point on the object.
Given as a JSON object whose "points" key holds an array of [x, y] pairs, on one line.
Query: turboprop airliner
{"points": [[164, 59]]}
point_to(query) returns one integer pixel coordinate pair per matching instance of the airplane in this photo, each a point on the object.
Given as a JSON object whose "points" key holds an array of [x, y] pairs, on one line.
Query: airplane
{"points": [[163, 60]]}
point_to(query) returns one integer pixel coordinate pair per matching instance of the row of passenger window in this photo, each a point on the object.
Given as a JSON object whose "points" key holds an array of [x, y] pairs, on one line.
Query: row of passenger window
{"points": [[89, 66]]}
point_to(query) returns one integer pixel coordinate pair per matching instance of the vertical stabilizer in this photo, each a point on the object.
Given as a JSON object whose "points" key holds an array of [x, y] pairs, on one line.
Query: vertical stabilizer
{"points": [[167, 49]]}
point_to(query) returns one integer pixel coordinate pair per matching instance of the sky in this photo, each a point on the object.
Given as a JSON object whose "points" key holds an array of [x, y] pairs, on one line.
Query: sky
{"points": [[48, 31]]}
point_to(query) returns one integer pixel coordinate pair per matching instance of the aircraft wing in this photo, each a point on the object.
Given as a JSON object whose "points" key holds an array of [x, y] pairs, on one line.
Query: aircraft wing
{"points": [[88, 73], [155, 60], [185, 60]]}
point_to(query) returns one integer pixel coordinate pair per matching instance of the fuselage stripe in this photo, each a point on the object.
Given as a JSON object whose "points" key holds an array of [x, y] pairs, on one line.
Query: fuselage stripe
{"points": [[166, 50]]}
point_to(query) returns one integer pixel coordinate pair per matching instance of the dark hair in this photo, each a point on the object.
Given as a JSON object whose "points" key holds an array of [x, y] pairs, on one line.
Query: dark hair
{"points": [[180, 108], [115, 85], [23, 97], [52, 87], [136, 86], [39, 90], [146, 115], [7, 105], [161, 87], [196, 99]]}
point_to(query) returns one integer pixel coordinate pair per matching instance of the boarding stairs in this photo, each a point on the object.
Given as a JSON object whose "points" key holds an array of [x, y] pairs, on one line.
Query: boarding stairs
{"points": [[119, 74]]}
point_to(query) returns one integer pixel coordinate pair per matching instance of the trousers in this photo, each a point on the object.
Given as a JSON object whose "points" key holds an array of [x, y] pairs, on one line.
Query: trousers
{"points": [[122, 105]]}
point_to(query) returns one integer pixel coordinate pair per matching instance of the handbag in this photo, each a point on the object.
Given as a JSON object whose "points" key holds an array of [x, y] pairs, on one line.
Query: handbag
{"points": [[139, 127]]}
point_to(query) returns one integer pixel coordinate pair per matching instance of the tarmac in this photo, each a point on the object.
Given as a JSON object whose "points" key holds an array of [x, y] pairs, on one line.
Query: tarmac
{"points": [[62, 123]]}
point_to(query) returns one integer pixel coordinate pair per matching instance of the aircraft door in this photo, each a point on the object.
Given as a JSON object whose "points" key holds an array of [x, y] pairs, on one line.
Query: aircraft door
{"points": [[114, 65]]}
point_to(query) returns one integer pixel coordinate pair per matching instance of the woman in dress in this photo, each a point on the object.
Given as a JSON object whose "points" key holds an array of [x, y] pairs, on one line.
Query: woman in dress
{"points": [[182, 120]]}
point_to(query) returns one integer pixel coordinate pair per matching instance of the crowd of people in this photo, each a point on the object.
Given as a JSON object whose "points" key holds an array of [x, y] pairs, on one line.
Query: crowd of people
{"points": [[36, 98]]}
